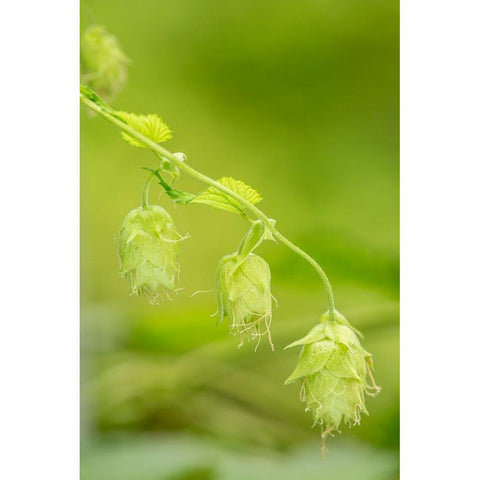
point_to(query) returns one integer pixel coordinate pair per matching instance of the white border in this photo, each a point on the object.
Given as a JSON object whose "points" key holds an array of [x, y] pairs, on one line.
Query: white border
{"points": [[440, 238], [39, 240]]}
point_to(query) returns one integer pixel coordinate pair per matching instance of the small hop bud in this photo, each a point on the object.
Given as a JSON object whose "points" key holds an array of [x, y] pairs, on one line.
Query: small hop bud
{"points": [[148, 249], [243, 289], [104, 65], [335, 372]]}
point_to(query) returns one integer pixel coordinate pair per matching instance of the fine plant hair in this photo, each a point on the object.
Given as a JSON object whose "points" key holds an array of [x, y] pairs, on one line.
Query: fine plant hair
{"points": [[334, 371]]}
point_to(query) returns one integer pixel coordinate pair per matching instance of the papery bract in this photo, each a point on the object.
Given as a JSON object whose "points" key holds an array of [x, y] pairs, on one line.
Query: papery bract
{"points": [[244, 296], [335, 372], [148, 249]]}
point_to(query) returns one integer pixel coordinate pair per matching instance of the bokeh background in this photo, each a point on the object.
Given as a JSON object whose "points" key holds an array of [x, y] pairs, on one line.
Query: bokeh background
{"points": [[301, 101]]}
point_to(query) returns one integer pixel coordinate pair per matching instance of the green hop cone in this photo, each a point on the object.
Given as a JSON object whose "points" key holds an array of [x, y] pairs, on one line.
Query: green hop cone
{"points": [[335, 372], [148, 249], [244, 296], [104, 65]]}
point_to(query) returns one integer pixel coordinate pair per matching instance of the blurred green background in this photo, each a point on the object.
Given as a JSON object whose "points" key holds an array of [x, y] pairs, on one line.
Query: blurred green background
{"points": [[301, 101]]}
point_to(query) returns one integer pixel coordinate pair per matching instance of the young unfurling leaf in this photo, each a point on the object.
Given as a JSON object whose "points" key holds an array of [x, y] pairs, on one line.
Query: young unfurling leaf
{"points": [[150, 126], [216, 198]]}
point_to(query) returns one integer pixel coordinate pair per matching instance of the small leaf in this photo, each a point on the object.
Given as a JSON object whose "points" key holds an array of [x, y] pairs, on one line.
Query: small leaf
{"points": [[150, 126], [216, 198]]}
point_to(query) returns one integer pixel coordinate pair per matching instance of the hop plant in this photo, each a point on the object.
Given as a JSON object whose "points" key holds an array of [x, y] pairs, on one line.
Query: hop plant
{"points": [[104, 65], [148, 250], [335, 372], [244, 297]]}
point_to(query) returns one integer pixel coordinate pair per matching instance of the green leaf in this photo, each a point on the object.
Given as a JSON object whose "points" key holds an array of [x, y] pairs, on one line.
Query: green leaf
{"points": [[150, 126], [216, 198]]}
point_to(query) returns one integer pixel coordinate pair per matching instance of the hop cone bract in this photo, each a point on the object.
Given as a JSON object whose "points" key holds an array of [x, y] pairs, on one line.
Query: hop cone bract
{"points": [[148, 249], [244, 296], [335, 372]]}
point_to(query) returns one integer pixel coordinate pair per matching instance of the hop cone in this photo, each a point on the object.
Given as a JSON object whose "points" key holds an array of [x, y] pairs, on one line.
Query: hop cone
{"points": [[335, 372], [148, 249], [104, 65], [243, 289]]}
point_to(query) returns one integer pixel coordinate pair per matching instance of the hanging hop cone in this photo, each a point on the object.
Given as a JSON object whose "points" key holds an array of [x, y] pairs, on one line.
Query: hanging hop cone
{"points": [[244, 296], [104, 65], [335, 374], [148, 249]]}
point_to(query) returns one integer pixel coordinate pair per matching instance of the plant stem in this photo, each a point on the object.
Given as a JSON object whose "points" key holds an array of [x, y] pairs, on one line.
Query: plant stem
{"points": [[316, 266], [252, 209], [146, 189]]}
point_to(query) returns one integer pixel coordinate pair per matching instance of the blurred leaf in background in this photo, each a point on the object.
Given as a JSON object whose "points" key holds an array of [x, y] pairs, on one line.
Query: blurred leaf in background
{"points": [[150, 458], [299, 100]]}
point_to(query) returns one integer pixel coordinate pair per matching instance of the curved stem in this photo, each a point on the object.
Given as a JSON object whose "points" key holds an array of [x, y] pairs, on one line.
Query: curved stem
{"points": [[252, 209], [316, 266], [146, 189], [156, 148], [268, 224]]}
